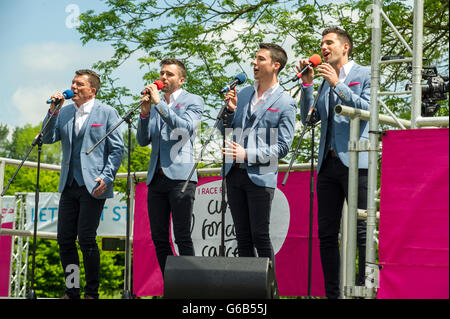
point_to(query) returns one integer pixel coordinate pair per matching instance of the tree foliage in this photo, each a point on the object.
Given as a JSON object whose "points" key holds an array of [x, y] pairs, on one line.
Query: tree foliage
{"points": [[217, 38]]}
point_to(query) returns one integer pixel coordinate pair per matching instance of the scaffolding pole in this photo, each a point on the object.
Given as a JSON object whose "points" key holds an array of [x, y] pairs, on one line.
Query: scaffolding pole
{"points": [[416, 99]]}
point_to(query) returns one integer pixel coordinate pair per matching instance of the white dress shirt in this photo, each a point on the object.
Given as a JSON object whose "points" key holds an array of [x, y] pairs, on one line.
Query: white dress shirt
{"points": [[82, 114], [173, 97], [255, 102], [345, 70]]}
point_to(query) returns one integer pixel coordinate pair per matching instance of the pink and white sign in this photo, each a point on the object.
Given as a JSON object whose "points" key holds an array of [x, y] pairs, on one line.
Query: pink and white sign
{"points": [[289, 231], [414, 215]]}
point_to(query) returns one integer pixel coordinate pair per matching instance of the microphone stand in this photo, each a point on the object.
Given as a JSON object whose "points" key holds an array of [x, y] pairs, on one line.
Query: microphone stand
{"points": [[309, 122], [222, 115], [127, 290], [37, 141]]}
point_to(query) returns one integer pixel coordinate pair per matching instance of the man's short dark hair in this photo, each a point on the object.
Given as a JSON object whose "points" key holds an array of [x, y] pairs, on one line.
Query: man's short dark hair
{"points": [[178, 63], [93, 78], [342, 35], [277, 54]]}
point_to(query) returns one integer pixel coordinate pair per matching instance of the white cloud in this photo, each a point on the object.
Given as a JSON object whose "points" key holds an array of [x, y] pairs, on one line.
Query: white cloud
{"points": [[49, 56], [30, 102]]}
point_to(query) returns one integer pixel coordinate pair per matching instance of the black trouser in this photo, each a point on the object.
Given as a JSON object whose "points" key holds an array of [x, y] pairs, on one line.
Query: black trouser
{"points": [[79, 215], [165, 196], [250, 207], [332, 189]]}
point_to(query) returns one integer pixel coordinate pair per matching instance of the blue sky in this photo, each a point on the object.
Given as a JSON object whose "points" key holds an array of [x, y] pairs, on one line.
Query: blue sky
{"points": [[40, 50]]}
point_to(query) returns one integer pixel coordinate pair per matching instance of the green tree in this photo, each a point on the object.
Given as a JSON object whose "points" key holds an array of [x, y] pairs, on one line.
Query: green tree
{"points": [[21, 140], [49, 276], [4, 131], [219, 38]]}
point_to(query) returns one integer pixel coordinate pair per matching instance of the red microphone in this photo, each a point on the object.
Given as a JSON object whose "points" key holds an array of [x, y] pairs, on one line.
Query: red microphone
{"points": [[159, 85], [314, 61]]}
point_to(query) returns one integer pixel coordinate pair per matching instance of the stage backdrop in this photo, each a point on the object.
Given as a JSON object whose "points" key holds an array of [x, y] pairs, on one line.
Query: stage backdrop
{"points": [[289, 230], [414, 215]]}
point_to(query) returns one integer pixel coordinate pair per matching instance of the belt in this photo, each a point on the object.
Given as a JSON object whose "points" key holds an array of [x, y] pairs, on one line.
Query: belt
{"points": [[332, 153]]}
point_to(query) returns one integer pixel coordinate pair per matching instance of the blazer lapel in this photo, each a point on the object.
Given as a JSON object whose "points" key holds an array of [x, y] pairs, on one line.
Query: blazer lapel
{"points": [[327, 99], [350, 74], [92, 115], [245, 108], [179, 98], [70, 123], [263, 109]]}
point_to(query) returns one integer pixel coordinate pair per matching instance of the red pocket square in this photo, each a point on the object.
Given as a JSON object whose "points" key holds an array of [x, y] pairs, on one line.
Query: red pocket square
{"points": [[96, 125], [273, 110], [353, 83], [179, 105]]}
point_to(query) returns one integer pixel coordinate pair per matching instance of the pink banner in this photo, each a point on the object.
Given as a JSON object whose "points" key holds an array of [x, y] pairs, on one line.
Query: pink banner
{"points": [[5, 260], [289, 232], [414, 215]]}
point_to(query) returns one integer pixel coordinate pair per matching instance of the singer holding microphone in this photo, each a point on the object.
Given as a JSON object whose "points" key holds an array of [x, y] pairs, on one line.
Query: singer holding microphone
{"points": [[346, 83], [85, 180], [169, 123], [261, 118]]}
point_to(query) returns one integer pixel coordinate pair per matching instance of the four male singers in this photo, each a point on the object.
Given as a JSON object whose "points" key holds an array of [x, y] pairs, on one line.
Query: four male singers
{"points": [[261, 119]]}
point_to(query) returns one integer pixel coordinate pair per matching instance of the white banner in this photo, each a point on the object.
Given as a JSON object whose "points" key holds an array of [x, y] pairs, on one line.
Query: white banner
{"points": [[112, 220]]}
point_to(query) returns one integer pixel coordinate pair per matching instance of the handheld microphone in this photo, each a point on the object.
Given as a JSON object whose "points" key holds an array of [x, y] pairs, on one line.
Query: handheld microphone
{"points": [[159, 85], [238, 79], [314, 61], [68, 94]]}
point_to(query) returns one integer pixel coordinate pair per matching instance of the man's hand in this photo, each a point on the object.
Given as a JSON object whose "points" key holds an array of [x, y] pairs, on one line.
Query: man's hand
{"points": [[231, 99], [328, 73], [151, 96], [54, 97], [308, 76], [146, 105], [100, 189], [235, 151]]}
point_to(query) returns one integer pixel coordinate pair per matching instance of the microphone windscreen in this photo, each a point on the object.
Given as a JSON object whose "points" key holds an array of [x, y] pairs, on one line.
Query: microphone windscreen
{"points": [[159, 84], [68, 94], [315, 59], [241, 78]]}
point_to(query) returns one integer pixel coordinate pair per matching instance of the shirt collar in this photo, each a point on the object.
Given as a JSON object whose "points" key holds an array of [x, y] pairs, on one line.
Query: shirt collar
{"points": [[175, 95], [345, 70], [269, 91], [85, 108]]}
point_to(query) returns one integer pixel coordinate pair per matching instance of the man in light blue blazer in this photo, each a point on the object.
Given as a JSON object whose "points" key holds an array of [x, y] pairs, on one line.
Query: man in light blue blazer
{"points": [[261, 119], [346, 83], [169, 124], [85, 180]]}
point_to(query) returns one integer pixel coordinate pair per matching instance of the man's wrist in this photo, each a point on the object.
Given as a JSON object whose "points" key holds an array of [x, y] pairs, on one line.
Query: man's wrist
{"points": [[53, 112]]}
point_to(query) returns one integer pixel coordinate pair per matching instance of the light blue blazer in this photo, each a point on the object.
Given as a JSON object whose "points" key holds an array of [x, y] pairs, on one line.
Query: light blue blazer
{"points": [[171, 131], [104, 161], [354, 92], [266, 135]]}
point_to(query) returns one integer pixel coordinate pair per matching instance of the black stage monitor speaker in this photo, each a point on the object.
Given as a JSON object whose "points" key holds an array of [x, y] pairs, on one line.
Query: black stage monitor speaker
{"points": [[192, 277]]}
